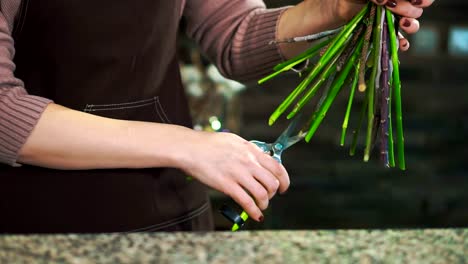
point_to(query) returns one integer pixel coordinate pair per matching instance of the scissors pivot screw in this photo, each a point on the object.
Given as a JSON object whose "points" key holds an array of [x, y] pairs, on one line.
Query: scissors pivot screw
{"points": [[278, 146]]}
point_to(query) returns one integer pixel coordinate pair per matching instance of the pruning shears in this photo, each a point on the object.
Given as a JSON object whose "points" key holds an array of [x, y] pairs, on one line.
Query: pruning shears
{"points": [[289, 137]]}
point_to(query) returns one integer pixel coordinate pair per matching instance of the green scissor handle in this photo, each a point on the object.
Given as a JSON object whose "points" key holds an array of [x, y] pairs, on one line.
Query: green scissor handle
{"points": [[238, 220]]}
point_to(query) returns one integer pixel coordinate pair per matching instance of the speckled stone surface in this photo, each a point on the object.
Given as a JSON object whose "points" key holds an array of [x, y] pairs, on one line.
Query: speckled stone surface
{"points": [[351, 246]]}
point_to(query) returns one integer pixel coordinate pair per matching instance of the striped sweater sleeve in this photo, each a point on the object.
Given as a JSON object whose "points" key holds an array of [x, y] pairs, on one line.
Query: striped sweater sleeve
{"points": [[235, 35], [19, 111]]}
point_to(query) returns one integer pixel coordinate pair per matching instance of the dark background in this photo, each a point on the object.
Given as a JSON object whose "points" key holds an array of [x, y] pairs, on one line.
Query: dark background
{"points": [[330, 189]]}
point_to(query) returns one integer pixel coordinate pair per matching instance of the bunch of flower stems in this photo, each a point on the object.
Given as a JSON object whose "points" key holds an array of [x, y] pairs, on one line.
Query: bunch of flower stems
{"points": [[363, 56]]}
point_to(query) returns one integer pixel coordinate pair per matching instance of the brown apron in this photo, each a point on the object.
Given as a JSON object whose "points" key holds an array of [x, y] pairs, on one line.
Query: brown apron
{"points": [[113, 58]]}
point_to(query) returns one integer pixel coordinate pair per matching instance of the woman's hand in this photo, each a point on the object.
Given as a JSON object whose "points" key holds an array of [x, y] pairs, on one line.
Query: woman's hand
{"points": [[410, 10], [312, 16], [234, 166], [222, 161]]}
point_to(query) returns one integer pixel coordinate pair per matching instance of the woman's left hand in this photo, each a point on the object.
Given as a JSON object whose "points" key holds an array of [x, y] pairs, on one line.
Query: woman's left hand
{"points": [[312, 16], [409, 10]]}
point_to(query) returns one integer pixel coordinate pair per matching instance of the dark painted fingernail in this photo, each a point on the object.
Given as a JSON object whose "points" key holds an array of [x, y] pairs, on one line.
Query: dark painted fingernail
{"points": [[406, 23], [416, 2], [261, 218], [380, 1], [391, 3], [405, 44]]}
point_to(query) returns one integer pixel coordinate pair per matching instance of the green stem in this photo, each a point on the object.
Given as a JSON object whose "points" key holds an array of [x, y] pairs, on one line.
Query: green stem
{"points": [[352, 44], [344, 35], [397, 91], [350, 103], [385, 95], [352, 150], [331, 68], [391, 152], [334, 90], [365, 47], [288, 65], [335, 46], [371, 90], [311, 52]]}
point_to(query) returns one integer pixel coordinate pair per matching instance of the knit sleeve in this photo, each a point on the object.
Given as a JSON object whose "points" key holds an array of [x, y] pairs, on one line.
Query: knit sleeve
{"points": [[19, 111], [235, 35]]}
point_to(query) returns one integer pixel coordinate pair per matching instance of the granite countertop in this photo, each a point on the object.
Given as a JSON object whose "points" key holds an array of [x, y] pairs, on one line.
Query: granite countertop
{"points": [[342, 246]]}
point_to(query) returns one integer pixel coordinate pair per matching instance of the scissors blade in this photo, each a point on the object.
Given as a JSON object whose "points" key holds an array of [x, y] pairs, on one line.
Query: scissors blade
{"points": [[291, 135]]}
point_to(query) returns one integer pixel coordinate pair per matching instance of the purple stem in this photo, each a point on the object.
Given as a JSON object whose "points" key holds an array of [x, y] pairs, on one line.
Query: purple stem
{"points": [[385, 96]]}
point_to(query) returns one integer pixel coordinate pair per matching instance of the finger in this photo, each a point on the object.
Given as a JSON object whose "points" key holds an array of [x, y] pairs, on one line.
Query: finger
{"points": [[404, 8], [267, 179], [259, 193], [404, 43], [422, 3], [409, 25], [277, 169], [245, 201]]}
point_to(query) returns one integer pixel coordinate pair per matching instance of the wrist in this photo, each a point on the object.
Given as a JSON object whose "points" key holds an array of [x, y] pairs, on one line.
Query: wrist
{"points": [[320, 16], [170, 144], [308, 17], [153, 145]]}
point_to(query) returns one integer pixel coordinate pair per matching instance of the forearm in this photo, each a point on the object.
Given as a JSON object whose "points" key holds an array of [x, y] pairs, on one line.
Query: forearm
{"points": [[236, 34], [69, 139]]}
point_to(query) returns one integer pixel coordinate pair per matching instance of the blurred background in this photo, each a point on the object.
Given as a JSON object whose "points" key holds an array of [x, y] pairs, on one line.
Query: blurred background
{"points": [[331, 190]]}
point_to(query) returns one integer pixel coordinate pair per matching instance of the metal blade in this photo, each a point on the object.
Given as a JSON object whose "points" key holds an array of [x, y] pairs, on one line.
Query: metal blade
{"points": [[291, 135]]}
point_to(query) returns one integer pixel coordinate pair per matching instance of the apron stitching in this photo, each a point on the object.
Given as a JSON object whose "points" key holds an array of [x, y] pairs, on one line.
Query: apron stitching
{"points": [[128, 103], [157, 111], [187, 218], [157, 103], [175, 221], [118, 108]]}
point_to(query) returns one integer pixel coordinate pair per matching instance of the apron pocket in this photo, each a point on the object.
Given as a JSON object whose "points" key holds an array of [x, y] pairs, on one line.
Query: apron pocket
{"points": [[149, 110]]}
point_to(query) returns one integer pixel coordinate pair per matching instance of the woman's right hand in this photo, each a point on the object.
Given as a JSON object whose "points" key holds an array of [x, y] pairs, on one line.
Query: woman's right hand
{"points": [[234, 166], [222, 161]]}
